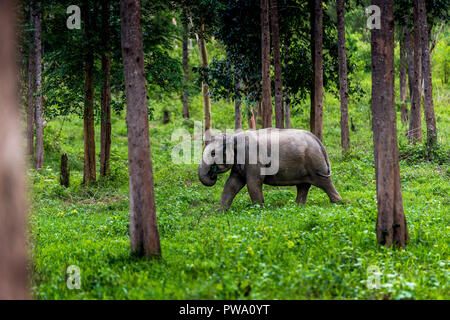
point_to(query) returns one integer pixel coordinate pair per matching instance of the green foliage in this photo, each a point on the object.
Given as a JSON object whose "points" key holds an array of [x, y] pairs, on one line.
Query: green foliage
{"points": [[280, 251]]}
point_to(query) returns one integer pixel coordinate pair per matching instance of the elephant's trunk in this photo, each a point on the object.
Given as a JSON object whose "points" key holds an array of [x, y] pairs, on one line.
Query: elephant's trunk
{"points": [[206, 174]]}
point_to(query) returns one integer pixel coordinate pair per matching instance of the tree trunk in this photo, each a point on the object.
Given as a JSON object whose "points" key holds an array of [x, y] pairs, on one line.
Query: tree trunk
{"points": [[391, 223], [251, 119], [237, 106], [13, 253], [316, 115], [39, 159], [89, 172], [144, 236], [287, 109], [205, 88], [415, 126], [287, 104], [409, 58], [433, 45], [185, 70], [428, 105], [31, 85], [265, 66], [64, 178], [402, 82], [343, 79], [279, 112], [105, 130]]}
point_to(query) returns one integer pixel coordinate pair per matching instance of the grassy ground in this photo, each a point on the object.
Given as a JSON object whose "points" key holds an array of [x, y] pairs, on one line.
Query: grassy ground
{"points": [[281, 251]]}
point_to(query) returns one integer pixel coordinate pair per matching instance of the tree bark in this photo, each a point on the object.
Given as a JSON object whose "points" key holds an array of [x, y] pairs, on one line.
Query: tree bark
{"points": [[428, 104], [343, 78], [287, 98], [105, 129], [205, 88], [185, 69], [433, 45], [64, 178], [279, 112], [237, 106], [251, 119], [265, 66], [13, 252], [39, 159], [30, 92], [409, 58], [402, 82], [89, 172], [415, 126], [287, 109], [316, 114], [144, 236], [391, 222]]}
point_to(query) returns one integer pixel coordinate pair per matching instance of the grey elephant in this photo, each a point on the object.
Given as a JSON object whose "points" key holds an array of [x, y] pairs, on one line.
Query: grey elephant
{"points": [[277, 157]]}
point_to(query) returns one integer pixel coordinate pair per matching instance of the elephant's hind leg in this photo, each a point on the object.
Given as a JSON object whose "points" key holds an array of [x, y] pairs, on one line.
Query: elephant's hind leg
{"points": [[302, 192]]}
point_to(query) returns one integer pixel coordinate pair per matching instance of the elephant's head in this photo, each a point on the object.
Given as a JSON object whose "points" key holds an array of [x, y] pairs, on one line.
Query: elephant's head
{"points": [[217, 158]]}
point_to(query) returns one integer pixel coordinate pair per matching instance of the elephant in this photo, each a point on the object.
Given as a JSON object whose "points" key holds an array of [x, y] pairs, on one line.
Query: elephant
{"points": [[297, 158]]}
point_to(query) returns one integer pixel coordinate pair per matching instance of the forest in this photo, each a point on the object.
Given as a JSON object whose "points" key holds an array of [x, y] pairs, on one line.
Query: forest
{"points": [[122, 123]]}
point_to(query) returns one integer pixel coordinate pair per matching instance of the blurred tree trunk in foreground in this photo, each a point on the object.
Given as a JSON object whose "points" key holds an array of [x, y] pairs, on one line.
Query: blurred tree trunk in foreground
{"points": [[13, 254]]}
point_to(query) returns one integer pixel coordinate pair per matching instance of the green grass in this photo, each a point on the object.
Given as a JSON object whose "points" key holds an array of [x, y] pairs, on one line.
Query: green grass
{"points": [[280, 251]]}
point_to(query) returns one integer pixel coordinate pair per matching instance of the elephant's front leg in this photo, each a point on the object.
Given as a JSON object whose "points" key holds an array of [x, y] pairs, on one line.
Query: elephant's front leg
{"points": [[233, 185]]}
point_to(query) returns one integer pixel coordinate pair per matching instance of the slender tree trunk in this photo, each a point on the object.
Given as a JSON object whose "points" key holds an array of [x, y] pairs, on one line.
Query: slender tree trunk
{"points": [[428, 105], [279, 112], [13, 253], [343, 79], [185, 70], [31, 84], [237, 106], [409, 58], [265, 66], [205, 88], [89, 172], [39, 159], [287, 98], [402, 82], [316, 115], [287, 109], [433, 45], [64, 177], [415, 126], [105, 130], [251, 119], [144, 236], [391, 223]]}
